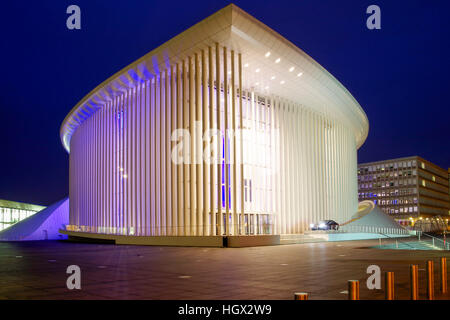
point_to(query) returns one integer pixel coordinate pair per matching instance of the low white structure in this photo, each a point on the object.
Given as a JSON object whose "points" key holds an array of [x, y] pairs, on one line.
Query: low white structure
{"points": [[11, 212], [43, 225], [371, 219], [291, 162]]}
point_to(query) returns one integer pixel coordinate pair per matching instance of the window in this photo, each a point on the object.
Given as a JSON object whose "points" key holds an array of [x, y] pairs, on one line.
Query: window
{"points": [[247, 190], [424, 183], [433, 178], [422, 165]]}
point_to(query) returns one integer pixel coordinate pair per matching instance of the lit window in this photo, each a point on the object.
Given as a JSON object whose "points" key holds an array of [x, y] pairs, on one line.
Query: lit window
{"points": [[424, 183], [423, 165], [245, 190], [433, 178]]}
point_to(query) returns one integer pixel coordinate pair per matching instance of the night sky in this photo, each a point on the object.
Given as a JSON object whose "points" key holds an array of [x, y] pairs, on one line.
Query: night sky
{"points": [[399, 74]]}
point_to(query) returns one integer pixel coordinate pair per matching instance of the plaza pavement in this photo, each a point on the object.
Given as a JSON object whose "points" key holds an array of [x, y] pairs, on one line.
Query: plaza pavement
{"points": [[37, 270]]}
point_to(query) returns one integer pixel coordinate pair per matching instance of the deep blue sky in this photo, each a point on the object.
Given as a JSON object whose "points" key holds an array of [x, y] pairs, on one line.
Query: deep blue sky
{"points": [[399, 74]]}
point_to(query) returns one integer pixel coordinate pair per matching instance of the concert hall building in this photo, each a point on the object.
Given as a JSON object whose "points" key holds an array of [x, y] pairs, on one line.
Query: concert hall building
{"points": [[227, 131]]}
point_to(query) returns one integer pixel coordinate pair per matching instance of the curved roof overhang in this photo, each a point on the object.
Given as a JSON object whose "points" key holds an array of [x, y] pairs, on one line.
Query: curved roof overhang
{"points": [[316, 88]]}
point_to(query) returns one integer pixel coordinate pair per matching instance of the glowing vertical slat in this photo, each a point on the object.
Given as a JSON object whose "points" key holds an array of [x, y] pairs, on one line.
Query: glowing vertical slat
{"points": [[148, 154], [167, 168], [186, 154], [129, 167], [292, 212], [173, 167], [273, 165], [192, 188], [233, 142], [114, 164], [154, 156], [140, 117], [180, 191], [253, 159], [162, 134], [100, 223], [227, 151], [144, 170], [109, 166], [134, 156], [296, 192], [197, 132], [283, 169], [219, 142], [241, 126], [212, 211], [205, 125]]}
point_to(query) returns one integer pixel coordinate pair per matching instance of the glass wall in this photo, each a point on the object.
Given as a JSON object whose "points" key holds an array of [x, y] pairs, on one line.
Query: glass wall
{"points": [[10, 216]]}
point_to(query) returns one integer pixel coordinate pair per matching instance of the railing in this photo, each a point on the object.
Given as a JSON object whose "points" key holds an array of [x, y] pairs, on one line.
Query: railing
{"points": [[421, 241], [372, 229], [397, 241], [434, 241]]}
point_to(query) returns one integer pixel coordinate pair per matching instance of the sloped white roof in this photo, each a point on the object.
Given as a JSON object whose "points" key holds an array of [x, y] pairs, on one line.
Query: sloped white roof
{"points": [[369, 215], [239, 31]]}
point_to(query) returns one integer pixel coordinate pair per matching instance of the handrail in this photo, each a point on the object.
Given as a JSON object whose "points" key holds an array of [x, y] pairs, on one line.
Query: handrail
{"points": [[429, 235], [396, 239], [444, 243]]}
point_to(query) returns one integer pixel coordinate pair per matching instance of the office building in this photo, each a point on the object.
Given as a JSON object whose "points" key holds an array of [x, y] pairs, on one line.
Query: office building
{"points": [[408, 188]]}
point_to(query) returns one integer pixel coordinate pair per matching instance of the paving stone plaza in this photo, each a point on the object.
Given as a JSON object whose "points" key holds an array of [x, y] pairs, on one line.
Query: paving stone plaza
{"points": [[37, 270]]}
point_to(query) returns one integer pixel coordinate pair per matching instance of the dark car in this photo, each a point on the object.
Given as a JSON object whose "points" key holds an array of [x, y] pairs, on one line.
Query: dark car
{"points": [[325, 225]]}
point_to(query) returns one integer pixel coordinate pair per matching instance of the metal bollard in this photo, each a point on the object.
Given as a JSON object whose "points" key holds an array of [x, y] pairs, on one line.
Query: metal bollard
{"points": [[443, 275], [300, 296], [390, 287], [430, 280], [414, 277], [353, 289]]}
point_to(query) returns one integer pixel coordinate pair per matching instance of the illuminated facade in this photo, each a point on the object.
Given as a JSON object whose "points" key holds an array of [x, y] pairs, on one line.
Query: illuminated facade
{"points": [[12, 212], [291, 162], [406, 188]]}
